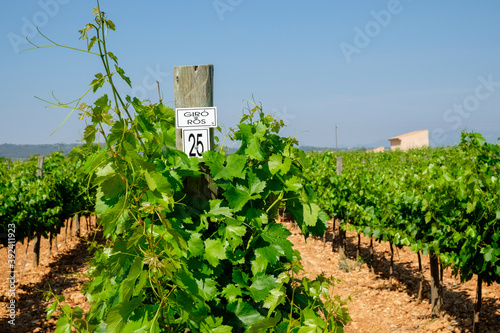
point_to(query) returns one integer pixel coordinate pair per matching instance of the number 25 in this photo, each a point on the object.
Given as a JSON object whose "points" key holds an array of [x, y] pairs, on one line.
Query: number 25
{"points": [[197, 148]]}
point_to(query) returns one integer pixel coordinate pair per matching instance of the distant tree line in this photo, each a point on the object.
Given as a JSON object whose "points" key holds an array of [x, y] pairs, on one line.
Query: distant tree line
{"points": [[23, 152]]}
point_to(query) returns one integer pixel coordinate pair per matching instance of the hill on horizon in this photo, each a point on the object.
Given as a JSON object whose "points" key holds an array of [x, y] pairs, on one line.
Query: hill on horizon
{"points": [[23, 152]]}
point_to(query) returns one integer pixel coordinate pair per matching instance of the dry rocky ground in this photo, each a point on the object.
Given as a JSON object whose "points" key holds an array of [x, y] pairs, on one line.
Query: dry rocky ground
{"points": [[380, 306], [377, 305], [62, 272]]}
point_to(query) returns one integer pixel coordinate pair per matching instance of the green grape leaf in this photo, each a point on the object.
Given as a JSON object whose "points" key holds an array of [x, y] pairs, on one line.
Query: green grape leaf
{"points": [[196, 245], [212, 324], [238, 196], [272, 300], [233, 168], [264, 325], [293, 184], [98, 82], [125, 78], [256, 185], [233, 231], [117, 317], [112, 56], [471, 206], [261, 286], [157, 181], [63, 325], [207, 288], [278, 164], [127, 285], [275, 163], [214, 251], [311, 214], [245, 312], [231, 292], [113, 187], [89, 134], [110, 25], [217, 211], [277, 234]]}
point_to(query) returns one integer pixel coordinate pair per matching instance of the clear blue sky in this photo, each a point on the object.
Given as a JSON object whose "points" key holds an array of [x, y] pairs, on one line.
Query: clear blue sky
{"points": [[376, 68]]}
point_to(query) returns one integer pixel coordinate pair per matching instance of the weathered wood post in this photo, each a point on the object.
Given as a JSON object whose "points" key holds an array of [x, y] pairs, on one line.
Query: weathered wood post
{"points": [[420, 278], [436, 288], [340, 165], [36, 245], [70, 223], [342, 233], [77, 225], [477, 306], [39, 171], [193, 88], [358, 251]]}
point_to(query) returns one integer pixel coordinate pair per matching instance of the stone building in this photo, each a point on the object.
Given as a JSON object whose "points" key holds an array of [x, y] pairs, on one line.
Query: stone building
{"points": [[416, 139]]}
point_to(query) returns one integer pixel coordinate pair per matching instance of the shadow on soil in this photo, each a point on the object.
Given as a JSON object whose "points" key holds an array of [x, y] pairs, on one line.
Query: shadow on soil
{"points": [[457, 304], [31, 304]]}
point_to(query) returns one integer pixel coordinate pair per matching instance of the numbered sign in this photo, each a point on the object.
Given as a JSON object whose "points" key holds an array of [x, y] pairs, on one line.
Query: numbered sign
{"points": [[195, 141]]}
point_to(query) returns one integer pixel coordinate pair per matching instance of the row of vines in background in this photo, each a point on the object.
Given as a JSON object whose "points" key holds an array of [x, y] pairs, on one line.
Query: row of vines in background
{"points": [[444, 202], [39, 194]]}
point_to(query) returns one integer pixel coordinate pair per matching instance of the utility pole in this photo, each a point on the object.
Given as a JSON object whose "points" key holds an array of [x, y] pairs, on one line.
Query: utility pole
{"points": [[336, 144]]}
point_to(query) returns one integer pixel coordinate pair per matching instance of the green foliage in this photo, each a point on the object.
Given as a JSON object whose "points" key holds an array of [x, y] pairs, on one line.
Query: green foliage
{"points": [[174, 262], [445, 200], [37, 206]]}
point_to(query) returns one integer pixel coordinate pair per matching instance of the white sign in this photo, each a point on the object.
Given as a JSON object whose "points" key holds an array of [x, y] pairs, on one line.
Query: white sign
{"points": [[195, 141], [195, 117]]}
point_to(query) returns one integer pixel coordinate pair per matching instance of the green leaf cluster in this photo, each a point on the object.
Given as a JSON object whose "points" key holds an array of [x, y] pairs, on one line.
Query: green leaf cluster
{"points": [[37, 206], [179, 259], [443, 200]]}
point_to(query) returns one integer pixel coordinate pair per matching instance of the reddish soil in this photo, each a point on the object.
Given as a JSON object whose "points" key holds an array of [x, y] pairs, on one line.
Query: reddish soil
{"points": [[63, 272], [377, 305], [381, 306]]}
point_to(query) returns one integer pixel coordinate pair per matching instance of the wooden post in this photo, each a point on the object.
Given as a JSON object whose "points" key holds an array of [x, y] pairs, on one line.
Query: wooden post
{"points": [[77, 225], [25, 256], [333, 234], [420, 278], [391, 268], [340, 165], [36, 245], [372, 256], [342, 233], [440, 272], [70, 221], [477, 307], [358, 251], [66, 223], [39, 171], [50, 244], [436, 290], [193, 87]]}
